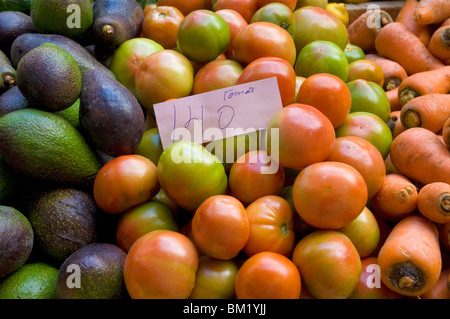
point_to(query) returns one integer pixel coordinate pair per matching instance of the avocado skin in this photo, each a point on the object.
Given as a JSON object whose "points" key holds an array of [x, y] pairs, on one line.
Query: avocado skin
{"points": [[16, 239], [110, 115], [28, 41], [13, 24], [12, 100], [124, 16], [64, 220], [101, 273]]}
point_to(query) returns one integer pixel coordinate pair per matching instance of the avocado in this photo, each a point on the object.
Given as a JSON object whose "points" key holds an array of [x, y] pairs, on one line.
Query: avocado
{"points": [[49, 78], [44, 146], [15, 5], [16, 240], [63, 220], [92, 272], [28, 41], [9, 182], [71, 114], [7, 71], [116, 21], [12, 100], [13, 24], [71, 18], [110, 115]]}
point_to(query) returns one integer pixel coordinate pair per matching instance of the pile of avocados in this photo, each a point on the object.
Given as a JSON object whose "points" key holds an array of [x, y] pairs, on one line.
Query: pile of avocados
{"points": [[63, 115]]}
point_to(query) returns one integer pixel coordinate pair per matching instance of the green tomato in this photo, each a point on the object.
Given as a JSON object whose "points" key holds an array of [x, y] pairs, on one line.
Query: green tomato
{"points": [[276, 13], [203, 35], [150, 145], [354, 53]]}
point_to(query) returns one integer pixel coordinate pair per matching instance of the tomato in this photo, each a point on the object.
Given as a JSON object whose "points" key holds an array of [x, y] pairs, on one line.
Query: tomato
{"points": [[364, 157], [363, 232], [329, 264], [215, 279], [367, 70], [329, 94], [184, 6], [277, 13], [369, 127], [322, 57], [291, 4], [263, 39], [128, 57], [271, 226], [248, 181], [163, 75], [305, 136], [235, 23], [369, 285], [148, 7], [161, 25], [150, 145], [203, 36], [142, 219], [124, 182], [329, 195], [161, 264], [216, 75], [315, 23], [267, 67], [368, 96], [354, 53], [268, 275], [189, 174], [246, 8], [220, 227]]}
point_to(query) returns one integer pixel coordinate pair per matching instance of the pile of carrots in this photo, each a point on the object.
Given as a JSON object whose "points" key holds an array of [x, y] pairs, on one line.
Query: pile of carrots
{"points": [[413, 49]]}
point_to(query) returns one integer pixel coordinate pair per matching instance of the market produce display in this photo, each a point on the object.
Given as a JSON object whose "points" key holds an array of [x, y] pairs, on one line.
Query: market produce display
{"points": [[343, 194]]}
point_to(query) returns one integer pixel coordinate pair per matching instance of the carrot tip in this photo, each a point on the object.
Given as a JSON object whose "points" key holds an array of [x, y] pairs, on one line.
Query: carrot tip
{"points": [[411, 119], [407, 276], [407, 95], [445, 203]]}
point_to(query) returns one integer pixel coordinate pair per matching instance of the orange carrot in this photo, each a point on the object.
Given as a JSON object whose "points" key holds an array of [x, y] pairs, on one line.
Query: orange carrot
{"points": [[393, 99], [433, 202], [406, 16], [439, 290], [432, 11], [445, 23], [396, 199], [397, 43], [429, 111], [393, 72], [446, 133], [410, 260], [439, 44], [363, 30], [420, 155], [422, 83], [444, 235]]}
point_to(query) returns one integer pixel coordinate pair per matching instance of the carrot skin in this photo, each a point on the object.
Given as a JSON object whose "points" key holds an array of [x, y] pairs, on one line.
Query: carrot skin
{"points": [[432, 11], [406, 16], [439, 44], [433, 202], [446, 133], [393, 72]]}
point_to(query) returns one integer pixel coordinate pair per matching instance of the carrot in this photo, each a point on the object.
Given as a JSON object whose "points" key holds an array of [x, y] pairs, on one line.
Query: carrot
{"points": [[439, 290], [433, 202], [397, 43], [396, 199], [429, 111], [422, 83], [439, 44], [446, 133], [420, 155], [406, 16], [445, 23], [444, 236], [395, 124], [410, 260], [393, 72], [393, 99], [432, 11], [364, 29]]}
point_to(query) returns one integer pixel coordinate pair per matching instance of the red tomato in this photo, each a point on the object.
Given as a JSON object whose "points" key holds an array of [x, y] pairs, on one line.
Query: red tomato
{"points": [[246, 8], [268, 275], [220, 227], [267, 67], [271, 226], [248, 181], [216, 75], [235, 23], [367, 70], [124, 182], [184, 6], [305, 136], [161, 25], [263, 39], [161, 265], [329, 94], [329, 264], [329, 195], [290, 3]]}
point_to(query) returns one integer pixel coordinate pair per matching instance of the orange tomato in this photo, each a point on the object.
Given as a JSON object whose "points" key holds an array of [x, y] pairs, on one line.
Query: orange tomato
{"points": [[329, 195], [184, 6], [329, 94], [220, 227], [246, 8], [161, 264], [367, 70], [271, 226], [217, 74], [290, 3], [235, 23], [161, 25], [268, 275]]}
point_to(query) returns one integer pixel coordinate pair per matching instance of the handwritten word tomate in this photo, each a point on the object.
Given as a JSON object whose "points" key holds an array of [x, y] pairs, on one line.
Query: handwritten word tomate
{"points": [[229, 94]]}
